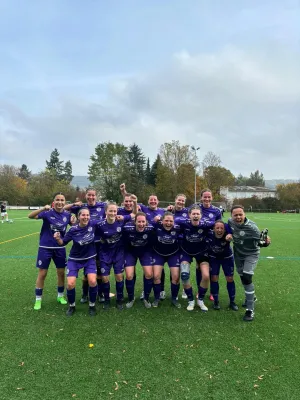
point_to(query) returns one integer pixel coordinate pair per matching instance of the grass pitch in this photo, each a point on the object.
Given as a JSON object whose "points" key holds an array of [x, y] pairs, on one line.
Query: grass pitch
{"points": [[161, 353]]}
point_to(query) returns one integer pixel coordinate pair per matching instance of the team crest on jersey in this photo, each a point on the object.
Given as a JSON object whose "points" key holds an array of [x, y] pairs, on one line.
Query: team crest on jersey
{"points": [[98, 209], [102, 270], [242, 233], [184, 214], [40, 262], [200, 230], [211, 215], [173, 233], [118, 229], [65, 219], [145, 236], [90, 229]]}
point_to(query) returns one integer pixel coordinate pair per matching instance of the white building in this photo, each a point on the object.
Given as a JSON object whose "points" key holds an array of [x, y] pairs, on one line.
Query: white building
{"points": [[245, 192]]}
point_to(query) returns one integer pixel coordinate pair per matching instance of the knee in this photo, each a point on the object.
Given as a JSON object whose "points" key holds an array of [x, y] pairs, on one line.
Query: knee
{"points": [[156, 279], [214, 278], [92, 282], [148, 276], [105, 279], [119, 278], [246, 279], [130, 276], [71, 285], [229, 278]]}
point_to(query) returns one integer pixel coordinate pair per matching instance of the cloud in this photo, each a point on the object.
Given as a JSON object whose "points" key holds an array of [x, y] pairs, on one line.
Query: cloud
{"points": [[242, 105]]}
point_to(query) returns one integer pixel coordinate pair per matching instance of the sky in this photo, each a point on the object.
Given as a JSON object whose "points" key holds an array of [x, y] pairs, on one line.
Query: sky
{"points": [[220, 75]]}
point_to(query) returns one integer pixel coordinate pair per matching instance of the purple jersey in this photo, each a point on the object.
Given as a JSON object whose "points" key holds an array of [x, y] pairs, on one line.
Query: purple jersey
{"points": [[97, 212], [83, 239], [53, 221], [151, 214], [195, 239], [183, 213], [212, 213], [136, 240], [166, 242], [219, 247], [123, 211], [111, 234]]}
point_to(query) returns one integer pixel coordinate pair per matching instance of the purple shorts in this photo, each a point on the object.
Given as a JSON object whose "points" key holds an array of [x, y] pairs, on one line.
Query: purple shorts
{"points": [[45, 256], [114, 258], [89, 267], [143, 255], [172, 260], [226, 263], [200, 258]]}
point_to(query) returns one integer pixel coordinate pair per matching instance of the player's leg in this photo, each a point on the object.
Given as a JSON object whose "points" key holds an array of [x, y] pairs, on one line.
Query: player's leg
{"points": [[162, 295], [105, 272], [159, 262], [249, 266], [72, 273], [90, 270], [118, 265], [185, 274], [60, 261], [42, 263], [6, 215], [228, 269], [203, 263], [130, 262], [215, 264], [148, 283], [173, 262]]}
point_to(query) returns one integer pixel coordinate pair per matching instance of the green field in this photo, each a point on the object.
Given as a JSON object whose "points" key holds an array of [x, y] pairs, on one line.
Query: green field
{"points": [[161, 353]]}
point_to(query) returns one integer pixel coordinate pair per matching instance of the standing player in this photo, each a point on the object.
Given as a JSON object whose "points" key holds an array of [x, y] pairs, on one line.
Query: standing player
{"points": [[82, 256], [220, 254], [4, 211], [97, 213], [110, 231], [195, 245], [54, 220], [246, 247], [166, 249], [138, 239]]}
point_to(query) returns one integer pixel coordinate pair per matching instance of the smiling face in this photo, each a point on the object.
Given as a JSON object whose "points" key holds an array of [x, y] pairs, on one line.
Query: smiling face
{"points": [[91, 197], [111, 212], [84, 217], [128, 203], [206, 199], [179, 202], [168, 222], [153, 202], [219, 229], [59, 202], [238, 215], [195, 216], [140, 223]]}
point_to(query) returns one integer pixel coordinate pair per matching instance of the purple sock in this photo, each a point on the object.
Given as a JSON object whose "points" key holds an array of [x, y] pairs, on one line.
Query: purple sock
{"points": [[156, 289], [162, 280], [120, 290], [231, 291], [148, 283], [60, 289], [174, 290], [201, 292], [100, 290], [189, 293], [198, 277], [214, 289], [106, 290], [71, 295], [130, 288], [85, 288], [38, 292], [93, 294]]}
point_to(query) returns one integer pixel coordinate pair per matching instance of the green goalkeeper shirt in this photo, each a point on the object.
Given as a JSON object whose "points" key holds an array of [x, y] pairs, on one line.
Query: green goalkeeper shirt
{"points": [[246, 238]]}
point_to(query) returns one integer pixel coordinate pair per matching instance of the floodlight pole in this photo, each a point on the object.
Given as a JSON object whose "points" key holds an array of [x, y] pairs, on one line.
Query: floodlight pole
{"points": [[195, 185]]}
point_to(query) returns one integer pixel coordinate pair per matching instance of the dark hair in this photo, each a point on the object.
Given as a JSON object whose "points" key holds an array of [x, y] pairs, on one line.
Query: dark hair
{"points": [[219, 221], [194, 208], [235, 207], [83, 209], [205, 190], [127, 195], [91, 189], [140, 214], [110, 203], [167, 214], [58, 193]]}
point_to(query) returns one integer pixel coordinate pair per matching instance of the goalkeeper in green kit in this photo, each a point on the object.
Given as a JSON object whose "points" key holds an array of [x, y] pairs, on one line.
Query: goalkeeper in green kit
{"points": [[247, 241]]}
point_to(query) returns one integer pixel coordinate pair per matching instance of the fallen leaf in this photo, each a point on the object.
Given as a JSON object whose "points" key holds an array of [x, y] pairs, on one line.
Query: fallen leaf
{"points": [[21, 364], [74, 395], [126, 383], [20, 388], [226, 361], [139, 386], [261, 377], [118, 372], [117, 386], [255, 386], [91, 345]]}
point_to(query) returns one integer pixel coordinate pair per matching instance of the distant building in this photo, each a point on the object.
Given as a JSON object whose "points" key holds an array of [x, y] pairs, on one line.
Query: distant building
{"points": [[245, 192]]}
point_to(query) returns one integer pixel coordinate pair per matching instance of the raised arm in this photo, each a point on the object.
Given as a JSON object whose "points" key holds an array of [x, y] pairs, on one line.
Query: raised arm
{"points": [[34, 214], [67, 207], [123, 189]]}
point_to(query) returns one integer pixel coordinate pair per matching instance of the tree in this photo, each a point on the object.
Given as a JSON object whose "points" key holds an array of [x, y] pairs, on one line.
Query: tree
{"points": [[107, 167], [241, 180], [12, 188], [24, 172], [148, 172], [55, 165], [289, 195], [134, 172], [210, 160], [215, 177], [153, 171], [174, 155], [256, 179], [67, 173]]}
